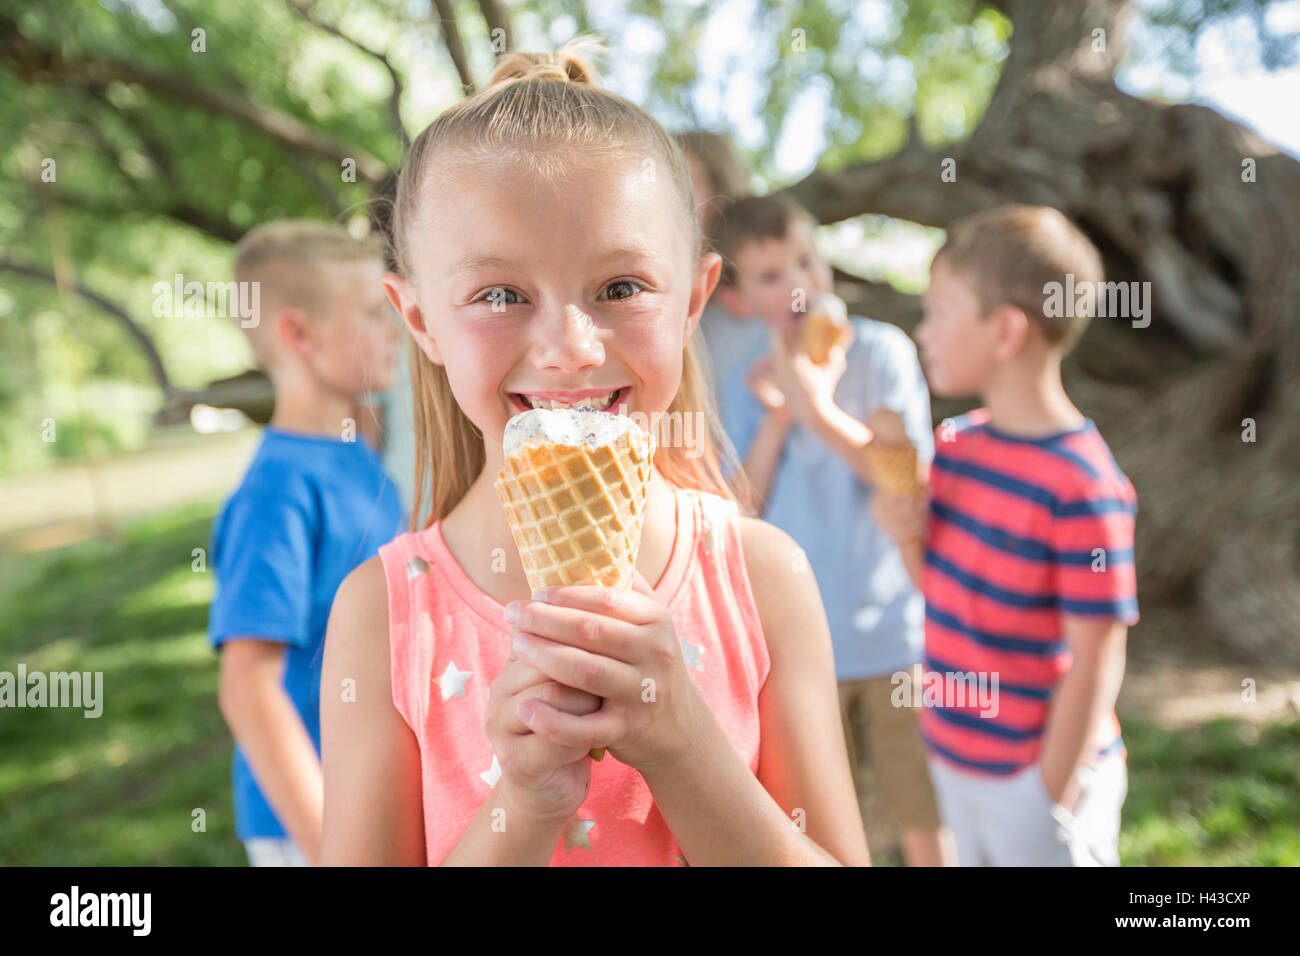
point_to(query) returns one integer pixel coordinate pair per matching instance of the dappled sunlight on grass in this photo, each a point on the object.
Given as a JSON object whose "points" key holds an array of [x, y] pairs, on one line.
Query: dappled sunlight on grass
{"points": [[1224, 793], [120, 788]]}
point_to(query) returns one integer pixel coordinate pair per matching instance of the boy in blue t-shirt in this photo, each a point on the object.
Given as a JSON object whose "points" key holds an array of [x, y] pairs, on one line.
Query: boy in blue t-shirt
{"points": [[314, 503], [801, 430]]}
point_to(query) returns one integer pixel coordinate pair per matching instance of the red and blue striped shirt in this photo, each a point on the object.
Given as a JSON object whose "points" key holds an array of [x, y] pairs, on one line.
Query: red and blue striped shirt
{"points": [[1022, 532]]}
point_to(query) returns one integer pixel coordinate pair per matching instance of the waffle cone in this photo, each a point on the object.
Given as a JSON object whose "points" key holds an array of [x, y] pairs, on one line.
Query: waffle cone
{"points": [[576, 512], [825, 327], [891, 456], [894, 467]]}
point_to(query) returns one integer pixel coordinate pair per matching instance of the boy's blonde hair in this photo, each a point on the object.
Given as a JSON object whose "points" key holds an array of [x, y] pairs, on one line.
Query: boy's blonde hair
{"points": [[1008, 254], [545, 113], [752, 219], [290, 259]]}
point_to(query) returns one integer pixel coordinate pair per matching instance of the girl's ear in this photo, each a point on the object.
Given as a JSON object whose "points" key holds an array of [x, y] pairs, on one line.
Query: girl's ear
{"points": [[706, 280], [402, 296]]}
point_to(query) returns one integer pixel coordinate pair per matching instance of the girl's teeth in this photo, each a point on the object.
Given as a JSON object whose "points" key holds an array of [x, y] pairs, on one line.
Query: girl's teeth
{"points": [[597, 403]]}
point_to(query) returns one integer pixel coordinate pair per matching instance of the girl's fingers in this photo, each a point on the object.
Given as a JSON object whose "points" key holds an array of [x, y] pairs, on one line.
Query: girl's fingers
{"points": [[594, 633], [534, 755], [612, 603], [581, 669], [568, 699], [567, 731]]}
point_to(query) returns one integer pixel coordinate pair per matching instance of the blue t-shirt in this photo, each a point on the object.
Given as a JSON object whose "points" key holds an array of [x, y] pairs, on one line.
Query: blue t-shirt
{"points": [[309, 510], [876, 615]]}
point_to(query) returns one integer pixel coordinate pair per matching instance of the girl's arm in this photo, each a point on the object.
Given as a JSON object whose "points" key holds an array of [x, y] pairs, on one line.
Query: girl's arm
{"points": [[374, 808], [374, 814], [803, 757], [802, 810]]}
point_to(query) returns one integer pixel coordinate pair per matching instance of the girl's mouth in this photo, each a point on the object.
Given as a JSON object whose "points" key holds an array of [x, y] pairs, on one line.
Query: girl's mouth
{"points": [[522, 402]]}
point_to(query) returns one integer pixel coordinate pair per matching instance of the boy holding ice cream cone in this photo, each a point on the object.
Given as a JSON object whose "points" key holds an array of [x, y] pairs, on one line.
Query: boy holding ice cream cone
{"points": [[802, 418]]}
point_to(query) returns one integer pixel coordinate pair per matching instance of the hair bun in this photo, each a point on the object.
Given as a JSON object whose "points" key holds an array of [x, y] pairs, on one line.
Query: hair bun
{"points": [[572, 63]]}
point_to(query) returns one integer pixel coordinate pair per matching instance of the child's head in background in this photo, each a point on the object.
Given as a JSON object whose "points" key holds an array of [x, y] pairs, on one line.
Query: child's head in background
{"points": [[989, 288], [548, 250], [768, 256], [718, 178], [323, 324]]}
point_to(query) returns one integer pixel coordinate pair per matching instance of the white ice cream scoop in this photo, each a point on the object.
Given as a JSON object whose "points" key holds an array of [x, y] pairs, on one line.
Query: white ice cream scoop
{"points": [[566, 426]]}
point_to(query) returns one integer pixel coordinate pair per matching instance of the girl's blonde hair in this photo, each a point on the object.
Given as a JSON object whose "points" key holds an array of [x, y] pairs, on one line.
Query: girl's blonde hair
{"points": [[538, 110]]}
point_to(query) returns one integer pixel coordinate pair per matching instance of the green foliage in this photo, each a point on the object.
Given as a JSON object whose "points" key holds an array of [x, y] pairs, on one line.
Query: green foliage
{"points": [[158, 170]]}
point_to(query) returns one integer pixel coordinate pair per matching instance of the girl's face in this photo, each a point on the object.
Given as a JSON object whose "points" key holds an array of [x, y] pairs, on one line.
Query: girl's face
{"points": [[530, 294]]}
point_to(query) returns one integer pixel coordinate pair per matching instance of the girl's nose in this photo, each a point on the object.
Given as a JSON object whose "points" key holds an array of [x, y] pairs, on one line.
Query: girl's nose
{"points": [[568, 341]]}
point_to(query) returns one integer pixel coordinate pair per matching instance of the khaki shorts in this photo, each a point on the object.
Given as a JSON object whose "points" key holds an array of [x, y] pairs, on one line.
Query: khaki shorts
{"points": [[893, 737]]}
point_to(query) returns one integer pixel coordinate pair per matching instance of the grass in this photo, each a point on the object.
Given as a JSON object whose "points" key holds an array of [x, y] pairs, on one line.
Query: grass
{"points": [[123, 788], [1224, 794]]}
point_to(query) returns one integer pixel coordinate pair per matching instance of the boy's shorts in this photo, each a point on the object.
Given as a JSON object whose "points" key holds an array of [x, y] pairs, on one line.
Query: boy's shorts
{"points": [[902, 779], [273, 851], [1011, 821]]}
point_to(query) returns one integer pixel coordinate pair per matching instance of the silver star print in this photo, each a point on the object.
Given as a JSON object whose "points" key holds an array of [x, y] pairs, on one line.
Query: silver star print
{"points": [[452, 681], [415, 567], [491, 776], [692, 653], [575, 833]]}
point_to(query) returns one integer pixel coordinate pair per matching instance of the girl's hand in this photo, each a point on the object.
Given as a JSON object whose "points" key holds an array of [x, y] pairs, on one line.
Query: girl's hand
{"points": [[759, 380], [622, 647], [808, 388], [539, 778]]}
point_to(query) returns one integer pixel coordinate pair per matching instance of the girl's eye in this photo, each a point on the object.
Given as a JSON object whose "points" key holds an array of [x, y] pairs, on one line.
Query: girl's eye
{"points": [[500, 297], [621, 289]]}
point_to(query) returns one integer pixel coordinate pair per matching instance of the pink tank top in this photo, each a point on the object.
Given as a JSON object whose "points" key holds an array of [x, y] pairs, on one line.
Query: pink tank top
{"points": [[449, 641]]}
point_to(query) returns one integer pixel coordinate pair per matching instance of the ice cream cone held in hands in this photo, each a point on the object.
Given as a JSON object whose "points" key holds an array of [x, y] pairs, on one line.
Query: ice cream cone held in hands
{"points": [[574, 488]]}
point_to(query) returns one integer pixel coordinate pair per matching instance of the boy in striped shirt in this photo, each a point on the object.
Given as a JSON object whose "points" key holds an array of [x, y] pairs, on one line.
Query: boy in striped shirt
{"points": [[1024, 553]]}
